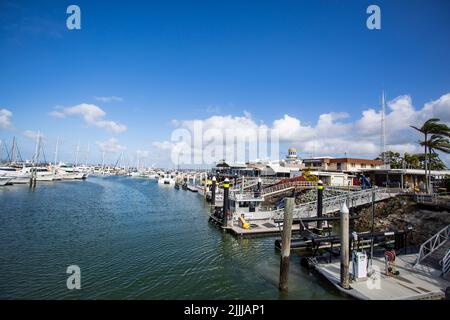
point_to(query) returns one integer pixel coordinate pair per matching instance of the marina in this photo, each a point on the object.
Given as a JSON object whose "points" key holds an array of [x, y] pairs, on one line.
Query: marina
{"points": [[133, 238], [244, 212], [225, 153]]}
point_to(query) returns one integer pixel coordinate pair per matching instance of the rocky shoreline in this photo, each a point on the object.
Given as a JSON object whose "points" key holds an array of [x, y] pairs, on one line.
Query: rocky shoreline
{"points": [[401, 212]]}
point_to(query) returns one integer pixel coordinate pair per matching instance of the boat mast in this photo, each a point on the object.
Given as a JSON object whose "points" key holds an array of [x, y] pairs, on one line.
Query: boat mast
{"points": [[36, 151], [13, 151], [76, 154], [56, 150], [103, 162], [87, 154]]}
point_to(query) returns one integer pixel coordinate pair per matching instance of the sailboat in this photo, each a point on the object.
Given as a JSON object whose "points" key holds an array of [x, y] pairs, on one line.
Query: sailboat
{"points": [[11, 171]]}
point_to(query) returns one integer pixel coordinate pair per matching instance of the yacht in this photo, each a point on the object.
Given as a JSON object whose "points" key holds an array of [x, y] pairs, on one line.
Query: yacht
{"points": [[166, 179], [67, 172], [17, 176], [42, 173], [4, 180]]}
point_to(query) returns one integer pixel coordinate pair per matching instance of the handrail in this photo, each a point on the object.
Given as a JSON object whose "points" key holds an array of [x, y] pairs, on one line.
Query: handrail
{"points": [[429, 246], [446, 264], [334, 203]]}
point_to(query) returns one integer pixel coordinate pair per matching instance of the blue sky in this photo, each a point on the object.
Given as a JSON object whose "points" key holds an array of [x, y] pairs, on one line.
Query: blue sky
{"points": [[188, 60]]}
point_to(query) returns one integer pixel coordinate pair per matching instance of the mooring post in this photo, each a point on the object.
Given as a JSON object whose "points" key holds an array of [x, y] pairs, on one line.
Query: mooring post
{"points": [[345, 247], [213, 192], [258, 188], [226, 206], [372, 229], [319, 202], [286, 243]]}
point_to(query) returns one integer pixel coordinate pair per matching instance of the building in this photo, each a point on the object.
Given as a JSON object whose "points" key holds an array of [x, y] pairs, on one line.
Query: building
{"points": [[405, 178], [351, 165]]}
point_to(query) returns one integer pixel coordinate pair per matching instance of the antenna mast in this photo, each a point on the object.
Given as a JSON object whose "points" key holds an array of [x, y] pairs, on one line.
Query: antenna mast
{"points": [[383, 130]]}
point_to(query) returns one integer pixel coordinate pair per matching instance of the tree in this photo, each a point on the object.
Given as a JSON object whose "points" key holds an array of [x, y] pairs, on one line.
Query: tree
{"points": [[392, 158], [430, 128], [411, 161]]}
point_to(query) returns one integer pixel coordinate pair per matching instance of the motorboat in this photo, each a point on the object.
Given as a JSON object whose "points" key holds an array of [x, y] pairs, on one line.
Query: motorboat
{"points": [[17, 176], [166, 179], [42, 173], [4, 180]]}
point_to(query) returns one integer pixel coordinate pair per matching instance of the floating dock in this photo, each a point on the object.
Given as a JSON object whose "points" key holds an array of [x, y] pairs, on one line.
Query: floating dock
{"points": [[257, 228], [413, 283]]}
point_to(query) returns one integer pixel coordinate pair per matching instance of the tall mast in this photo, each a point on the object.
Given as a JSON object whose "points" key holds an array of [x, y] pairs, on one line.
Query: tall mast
{"points": [[87, 154], [383, 129], [56, 150], [138, 161], [13, 151], [76, 154], [36, 151], [103, 161]]}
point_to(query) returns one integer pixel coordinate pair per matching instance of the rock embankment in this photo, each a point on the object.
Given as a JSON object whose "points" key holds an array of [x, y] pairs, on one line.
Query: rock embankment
{"points": [[400, 212]]}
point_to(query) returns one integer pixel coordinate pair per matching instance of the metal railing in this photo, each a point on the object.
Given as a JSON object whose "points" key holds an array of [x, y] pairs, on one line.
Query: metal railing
{"points": [[334, 204], [446, 264], [288, 185], [434, 198], [432, 244]]}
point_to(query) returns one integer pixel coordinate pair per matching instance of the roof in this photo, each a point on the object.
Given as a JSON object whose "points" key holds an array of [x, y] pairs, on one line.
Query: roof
{"points": [[409, 171], [223, 164], [356, 160], [279, 169]]}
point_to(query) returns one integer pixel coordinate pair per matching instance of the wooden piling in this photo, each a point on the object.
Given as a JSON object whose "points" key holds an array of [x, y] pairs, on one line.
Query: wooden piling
{"points": [[286, 244], [345, 247]]}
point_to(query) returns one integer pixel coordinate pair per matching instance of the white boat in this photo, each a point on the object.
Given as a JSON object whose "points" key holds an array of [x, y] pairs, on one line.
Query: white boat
{"points": [[4, 180], [42, 173], [66, 172], [166, 179], [17, 176]]}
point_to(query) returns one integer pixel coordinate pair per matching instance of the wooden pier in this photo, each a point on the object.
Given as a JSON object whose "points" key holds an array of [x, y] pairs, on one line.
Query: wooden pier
{"points": [[413, 283]]}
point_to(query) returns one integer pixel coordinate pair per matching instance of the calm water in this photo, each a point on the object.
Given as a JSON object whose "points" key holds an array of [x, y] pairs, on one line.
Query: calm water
{"points": [[132, 239]]}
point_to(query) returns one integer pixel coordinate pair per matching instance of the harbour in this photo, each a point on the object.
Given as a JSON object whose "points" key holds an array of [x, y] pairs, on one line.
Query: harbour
{"points": [[133, 239], [225, 152]]}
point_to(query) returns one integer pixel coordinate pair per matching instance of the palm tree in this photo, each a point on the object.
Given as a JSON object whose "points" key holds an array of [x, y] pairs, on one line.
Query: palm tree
{"points": [[438, 143], [438, 130]]}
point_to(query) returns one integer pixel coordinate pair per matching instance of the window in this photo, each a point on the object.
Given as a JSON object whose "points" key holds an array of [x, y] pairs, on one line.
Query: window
{"points": [[363, 165], [353, 165]]}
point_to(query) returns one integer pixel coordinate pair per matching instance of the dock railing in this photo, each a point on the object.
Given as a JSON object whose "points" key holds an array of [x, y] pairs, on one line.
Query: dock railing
{"points": [[446, 264], [334, 204], [432, 244]]}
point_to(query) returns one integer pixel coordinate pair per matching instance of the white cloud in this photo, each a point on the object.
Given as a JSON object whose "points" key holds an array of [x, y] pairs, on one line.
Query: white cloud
{"points": [[92, 115], [109, 99], [334, 134], [111, 145], [5, 119]]}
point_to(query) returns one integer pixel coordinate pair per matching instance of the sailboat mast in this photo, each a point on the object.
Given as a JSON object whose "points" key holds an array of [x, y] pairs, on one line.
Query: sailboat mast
{"points": [[36, 151], [87, 154], [76, 154], [56, 150], [13, 151]]}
